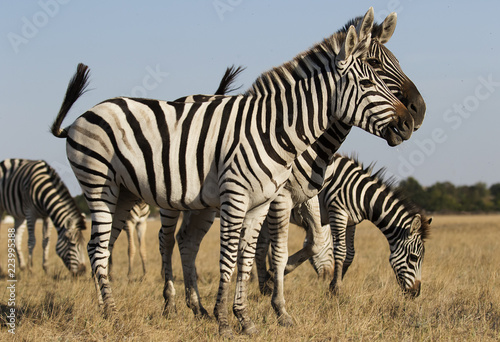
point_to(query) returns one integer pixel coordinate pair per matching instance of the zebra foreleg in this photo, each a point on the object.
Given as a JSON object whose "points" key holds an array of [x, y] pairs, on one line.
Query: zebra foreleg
{"points": [[195, 225], [166, 238], [349, 239], [338, 223], [45, 243], [141, 234], [279, 220], [31, 240], [246, 254], [131, 246], [261, 255], [231, 222]]}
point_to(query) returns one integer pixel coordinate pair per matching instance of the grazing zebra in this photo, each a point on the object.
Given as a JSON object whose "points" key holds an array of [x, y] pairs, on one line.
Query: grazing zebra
{"points": [[140, 212], [230, 152], [355, 194], [310, 172], [31, 189]]}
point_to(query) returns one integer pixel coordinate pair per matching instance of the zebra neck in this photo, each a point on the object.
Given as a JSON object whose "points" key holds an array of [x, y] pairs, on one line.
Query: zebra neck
{"points": [[59, 206], [299, 95], [314, 167], [390, 214]]}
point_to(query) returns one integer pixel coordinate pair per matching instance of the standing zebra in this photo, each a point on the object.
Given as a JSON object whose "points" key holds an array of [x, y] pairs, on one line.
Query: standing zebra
{"points": [[31, 189], [140, 212], [355, 194], [310, 172], [231, 152]]}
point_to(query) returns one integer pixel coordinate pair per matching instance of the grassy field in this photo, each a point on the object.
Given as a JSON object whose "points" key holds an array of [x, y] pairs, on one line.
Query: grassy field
{"points": [[460, 297]]}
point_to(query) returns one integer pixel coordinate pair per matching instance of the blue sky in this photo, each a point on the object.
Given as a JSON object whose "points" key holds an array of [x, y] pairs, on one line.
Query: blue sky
{"points": [[164, 50]]}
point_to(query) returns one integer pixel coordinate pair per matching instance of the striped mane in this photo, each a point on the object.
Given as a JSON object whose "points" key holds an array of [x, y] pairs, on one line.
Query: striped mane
{"points": [[376, 29], [329, 48], [390, 185]]}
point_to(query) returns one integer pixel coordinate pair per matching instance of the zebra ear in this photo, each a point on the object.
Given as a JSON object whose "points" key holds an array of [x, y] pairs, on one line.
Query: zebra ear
{"points": [[365, 25], [416, 223], [388, 27], [351, 41]]}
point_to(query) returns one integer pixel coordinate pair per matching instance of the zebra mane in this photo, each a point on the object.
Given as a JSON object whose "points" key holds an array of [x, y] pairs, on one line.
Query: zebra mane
{"points": [[390, 185], [376, 28], [330, 46]]}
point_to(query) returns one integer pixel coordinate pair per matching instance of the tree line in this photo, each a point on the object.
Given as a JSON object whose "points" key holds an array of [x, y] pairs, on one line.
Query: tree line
{"points": [[441, 197], [446, 197]]}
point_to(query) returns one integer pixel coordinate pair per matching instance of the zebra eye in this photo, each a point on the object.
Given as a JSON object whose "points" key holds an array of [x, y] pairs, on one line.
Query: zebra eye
{"points": [[374, 63], [366, 83], [413, 257]]}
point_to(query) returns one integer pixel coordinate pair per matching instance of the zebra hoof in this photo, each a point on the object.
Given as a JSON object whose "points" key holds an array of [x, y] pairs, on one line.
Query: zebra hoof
{"points": [[225, 332], [249, 330], [285, 321], [169, 310]]}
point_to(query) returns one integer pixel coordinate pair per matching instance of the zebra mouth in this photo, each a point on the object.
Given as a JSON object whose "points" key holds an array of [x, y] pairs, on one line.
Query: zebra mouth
{"points": [[393, 136]]}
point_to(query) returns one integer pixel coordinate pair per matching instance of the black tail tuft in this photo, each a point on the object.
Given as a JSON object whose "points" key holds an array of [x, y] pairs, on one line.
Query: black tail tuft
{"points": [[76, 88], [228, 80]]}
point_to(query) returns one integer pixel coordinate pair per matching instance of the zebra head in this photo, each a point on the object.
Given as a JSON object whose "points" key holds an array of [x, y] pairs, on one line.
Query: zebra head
{"points": [[365, 100], [70, 245], [407, 254], [386, 65]]}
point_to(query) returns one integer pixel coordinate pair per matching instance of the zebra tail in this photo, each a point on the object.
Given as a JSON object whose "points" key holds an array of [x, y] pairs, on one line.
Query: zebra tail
{"points": [[225, 85], [76, 88]]}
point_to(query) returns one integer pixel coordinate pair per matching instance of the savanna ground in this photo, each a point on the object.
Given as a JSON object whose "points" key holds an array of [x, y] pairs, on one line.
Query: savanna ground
{"points": [[460, 297]]}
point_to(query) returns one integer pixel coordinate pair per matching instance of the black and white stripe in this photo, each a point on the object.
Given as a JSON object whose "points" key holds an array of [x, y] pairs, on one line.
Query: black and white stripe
{"points": [[354, 195], [310, 172], [229, 152], [31, 189]]}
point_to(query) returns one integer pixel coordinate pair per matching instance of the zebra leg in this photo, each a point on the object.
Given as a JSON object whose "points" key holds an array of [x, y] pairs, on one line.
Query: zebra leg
{"points": [[130, 229], [261, 254], [31, 240], [45, 243], [246, 254], [195, 225], [106, 212], [120, 221], [349, 239], [338, 223], [317, 235], [279, 220], [20, 227], [231, 222], [141, 235], [166, 237]]}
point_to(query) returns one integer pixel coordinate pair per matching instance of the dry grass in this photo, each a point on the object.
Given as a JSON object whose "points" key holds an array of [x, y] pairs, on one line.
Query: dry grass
{"points": [[460, 297]]}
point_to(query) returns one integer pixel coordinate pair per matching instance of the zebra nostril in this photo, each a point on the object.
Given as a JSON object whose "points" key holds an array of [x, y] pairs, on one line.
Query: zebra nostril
{"points": [[412, 108]]}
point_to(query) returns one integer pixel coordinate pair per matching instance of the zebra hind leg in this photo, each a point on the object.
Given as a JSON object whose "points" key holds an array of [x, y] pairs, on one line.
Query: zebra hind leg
{"points": [[103, 212]]}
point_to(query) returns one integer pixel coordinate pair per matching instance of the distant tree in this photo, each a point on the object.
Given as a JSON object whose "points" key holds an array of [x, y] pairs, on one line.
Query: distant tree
{"points": [[414, 191], [495, 196]]}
